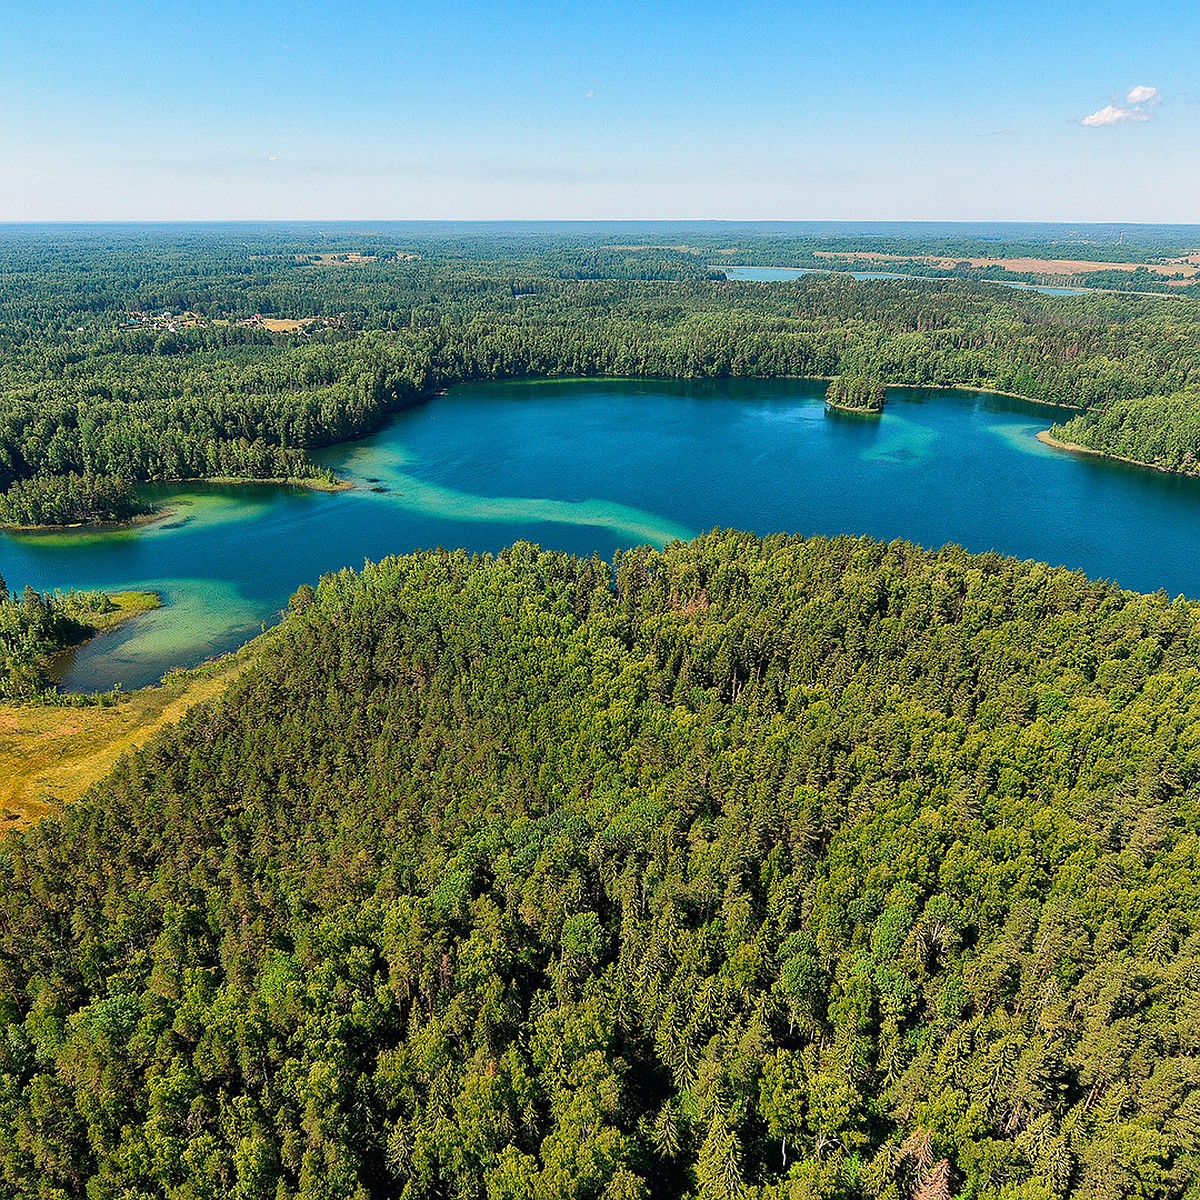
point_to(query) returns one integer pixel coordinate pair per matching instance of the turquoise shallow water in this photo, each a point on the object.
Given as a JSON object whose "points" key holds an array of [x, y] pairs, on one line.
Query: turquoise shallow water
{"points": [[594, 465]]}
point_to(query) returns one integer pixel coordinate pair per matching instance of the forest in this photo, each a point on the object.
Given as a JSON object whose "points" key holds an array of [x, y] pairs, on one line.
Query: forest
{"points": [[856, 393], [768, 869], [34, 626], [1160, 431], [57, 500], [131, 356]]}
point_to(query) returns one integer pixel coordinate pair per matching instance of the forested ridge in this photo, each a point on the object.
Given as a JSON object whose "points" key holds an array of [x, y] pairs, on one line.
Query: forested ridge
{"points": [[132, 357], [782, 868]]}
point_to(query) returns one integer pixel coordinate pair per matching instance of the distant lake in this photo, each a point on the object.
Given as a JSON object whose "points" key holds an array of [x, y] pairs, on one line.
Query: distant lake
{"points": [[782, 274], [595, 465]]}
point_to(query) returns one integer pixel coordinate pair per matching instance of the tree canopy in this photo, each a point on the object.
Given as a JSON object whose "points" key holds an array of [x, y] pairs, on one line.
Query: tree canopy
{"points": [[780, 868], [33, 627]]}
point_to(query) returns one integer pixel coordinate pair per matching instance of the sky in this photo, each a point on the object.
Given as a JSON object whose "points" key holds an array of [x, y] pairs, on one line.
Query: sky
{"points": [[760, 110]]}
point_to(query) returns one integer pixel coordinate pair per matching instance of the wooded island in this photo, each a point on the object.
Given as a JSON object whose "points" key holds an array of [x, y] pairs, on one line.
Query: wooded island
{"points": [[856, 393]]}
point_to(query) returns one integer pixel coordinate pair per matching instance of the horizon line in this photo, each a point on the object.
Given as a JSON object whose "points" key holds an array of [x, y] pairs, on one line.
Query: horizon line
{"points": [[108, 221]]}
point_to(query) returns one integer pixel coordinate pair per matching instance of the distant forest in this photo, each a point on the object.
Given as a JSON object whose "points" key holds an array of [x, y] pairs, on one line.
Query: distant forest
{"points": [[749, 870], [135, 355]]}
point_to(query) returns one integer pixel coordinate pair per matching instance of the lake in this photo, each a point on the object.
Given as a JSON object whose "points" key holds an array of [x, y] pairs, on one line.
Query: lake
{"points": [[596, 465], [783, 274]]}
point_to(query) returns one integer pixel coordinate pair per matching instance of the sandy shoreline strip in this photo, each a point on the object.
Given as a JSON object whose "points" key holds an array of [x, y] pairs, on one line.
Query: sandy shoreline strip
{"points": [[1047, 439]]}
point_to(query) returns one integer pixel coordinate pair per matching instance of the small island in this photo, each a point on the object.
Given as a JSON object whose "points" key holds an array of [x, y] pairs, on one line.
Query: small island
{"points": [[856, 394]]}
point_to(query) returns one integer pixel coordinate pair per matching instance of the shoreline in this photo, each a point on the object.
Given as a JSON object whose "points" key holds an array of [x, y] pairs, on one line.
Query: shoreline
{"points": [[1048, 439], [313, 485], [1060, 292], [147, 518], [963, 387], [852, 411], [161, 514], [130, 604]]}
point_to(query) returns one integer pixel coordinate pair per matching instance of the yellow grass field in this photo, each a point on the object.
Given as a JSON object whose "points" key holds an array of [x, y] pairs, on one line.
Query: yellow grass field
{"points": [[1067, 266], [51, 756]]}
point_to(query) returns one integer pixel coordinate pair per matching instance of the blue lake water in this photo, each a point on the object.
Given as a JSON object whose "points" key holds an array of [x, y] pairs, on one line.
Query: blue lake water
{"points": [[595, 465], [783, 274]]}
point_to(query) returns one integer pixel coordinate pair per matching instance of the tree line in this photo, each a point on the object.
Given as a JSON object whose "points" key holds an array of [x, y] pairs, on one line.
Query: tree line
{"points": [[88, 391], [35, 625]]}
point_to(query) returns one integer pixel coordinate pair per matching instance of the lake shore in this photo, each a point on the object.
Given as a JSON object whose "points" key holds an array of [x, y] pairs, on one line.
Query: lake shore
{"points": [[313, 485], [129, 604], [161, 514], [147, 518], [1049, 284], [990, 391], [853, 411], [1047, 439]]}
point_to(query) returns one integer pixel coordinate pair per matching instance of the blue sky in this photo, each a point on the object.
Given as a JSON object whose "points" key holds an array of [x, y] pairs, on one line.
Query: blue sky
{"points": [[760, 110]]}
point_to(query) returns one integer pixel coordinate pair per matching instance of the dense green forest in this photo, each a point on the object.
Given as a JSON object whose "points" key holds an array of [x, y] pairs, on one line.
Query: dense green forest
{"points": [[137, 355], [33, 625], [767, 869], [70, 499], [1162, 431], [856, 393]]}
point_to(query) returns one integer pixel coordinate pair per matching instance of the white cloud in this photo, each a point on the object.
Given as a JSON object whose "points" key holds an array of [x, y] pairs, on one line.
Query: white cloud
{"points": [[1114, 114], [1136, 108]]}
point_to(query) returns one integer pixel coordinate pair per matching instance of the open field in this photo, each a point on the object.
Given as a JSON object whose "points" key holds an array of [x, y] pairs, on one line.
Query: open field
{"points": [[51, 756], [1066, 266], [317, 259]]}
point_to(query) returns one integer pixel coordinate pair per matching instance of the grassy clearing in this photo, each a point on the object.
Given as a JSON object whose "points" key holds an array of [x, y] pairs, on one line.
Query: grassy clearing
{"points": [[51, 756], [129, 605]]}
